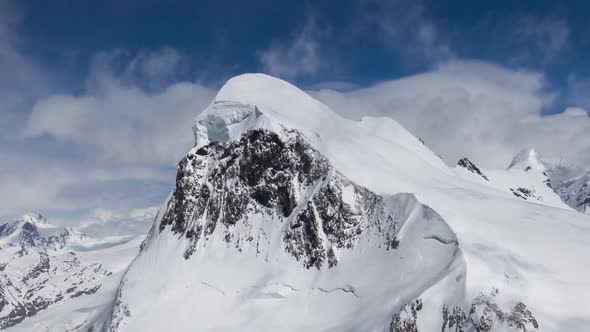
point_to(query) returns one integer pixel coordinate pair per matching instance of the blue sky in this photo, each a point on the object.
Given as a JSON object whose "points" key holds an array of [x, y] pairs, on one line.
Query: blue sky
{"points": [[366, 41], [96, 98]]}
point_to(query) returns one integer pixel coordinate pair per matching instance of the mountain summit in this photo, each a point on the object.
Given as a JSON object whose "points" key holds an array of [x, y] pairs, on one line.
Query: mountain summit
{"points": [[528, 159], [573, 191]]}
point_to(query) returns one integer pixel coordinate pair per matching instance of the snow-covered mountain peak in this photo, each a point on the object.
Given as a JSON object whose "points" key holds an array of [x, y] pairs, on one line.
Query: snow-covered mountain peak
{"points": [[33, 218], [314, 214], [273, 95], [528, 159], [258, 101]]}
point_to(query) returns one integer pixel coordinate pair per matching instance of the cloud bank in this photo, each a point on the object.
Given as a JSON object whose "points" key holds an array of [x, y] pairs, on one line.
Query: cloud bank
{"points": [[119, 136], [475, 109]]}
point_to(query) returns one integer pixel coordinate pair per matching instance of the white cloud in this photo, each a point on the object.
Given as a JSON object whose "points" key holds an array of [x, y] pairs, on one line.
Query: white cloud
{"points": [[406, 28], [120, 123], [105, 222], [578, 91], [21, 80], [157, 66], [546, 36], [54, 185], [27, 184], [474, 109], [116, 132], [300, 56], [151, 70]]}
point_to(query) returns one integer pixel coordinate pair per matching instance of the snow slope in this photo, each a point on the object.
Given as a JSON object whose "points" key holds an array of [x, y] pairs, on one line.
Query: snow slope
{"points": [[232, 270]]}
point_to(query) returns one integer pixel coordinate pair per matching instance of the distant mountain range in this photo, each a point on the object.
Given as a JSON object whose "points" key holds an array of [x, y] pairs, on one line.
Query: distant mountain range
{"points": [[54, 278]]}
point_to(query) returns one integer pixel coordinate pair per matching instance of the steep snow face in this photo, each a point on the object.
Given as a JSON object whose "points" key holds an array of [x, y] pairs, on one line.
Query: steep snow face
{"points": [[42, 270], [576, 193], [264, 224], [207, 272]]}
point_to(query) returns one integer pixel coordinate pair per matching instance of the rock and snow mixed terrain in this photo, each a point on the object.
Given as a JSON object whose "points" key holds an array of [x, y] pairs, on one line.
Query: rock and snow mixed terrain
{"points": [[576, 192], [54, 278], [530, 177], [286, 216], [526, 178]]}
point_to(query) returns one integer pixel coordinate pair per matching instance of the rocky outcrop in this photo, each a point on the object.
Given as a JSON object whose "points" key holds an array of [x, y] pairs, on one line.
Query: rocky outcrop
{"points": [[283, 179], [468, 165], [524, 193], [406, 320], [484, 315]]}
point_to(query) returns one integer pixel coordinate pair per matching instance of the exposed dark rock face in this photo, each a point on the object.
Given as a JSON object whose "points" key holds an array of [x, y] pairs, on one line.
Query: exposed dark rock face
{"points": [[406, 319], [547, 181], [468, 165], [485, 315], [454, 320], [522, 318], [524, 193], [283, 179]]}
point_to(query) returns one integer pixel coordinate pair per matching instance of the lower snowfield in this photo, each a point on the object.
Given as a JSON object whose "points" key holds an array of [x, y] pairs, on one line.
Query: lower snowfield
{"points": [[513, 251], [221, 289]]}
